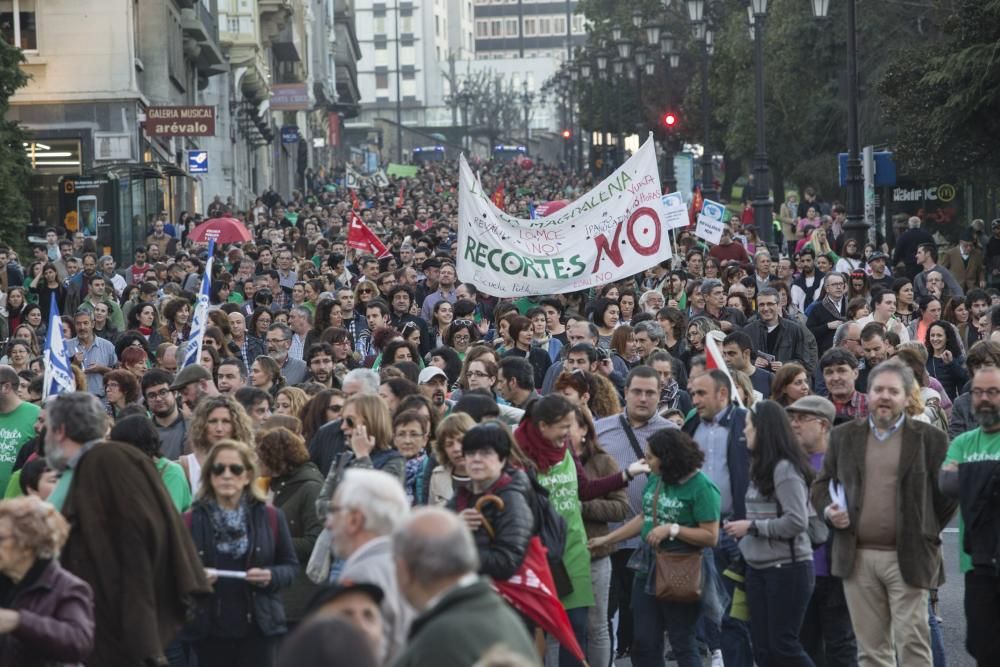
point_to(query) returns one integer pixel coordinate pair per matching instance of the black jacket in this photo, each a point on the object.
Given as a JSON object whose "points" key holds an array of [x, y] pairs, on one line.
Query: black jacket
{"points": [[905, 251], [500, 557], [325, 444], [277, 555], [818, 324], [792, 344]]}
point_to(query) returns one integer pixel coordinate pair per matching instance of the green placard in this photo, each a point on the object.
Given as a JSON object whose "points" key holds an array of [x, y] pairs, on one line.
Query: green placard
{"points": [[402, 170]]}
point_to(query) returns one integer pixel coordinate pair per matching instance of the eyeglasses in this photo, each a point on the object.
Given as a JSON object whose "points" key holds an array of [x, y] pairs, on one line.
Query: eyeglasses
{"points": [[993, 393], [462, 339], [795, 417], [410, 435], [350, 422], [478, 374], [220, 469], [157, 395], [463, 323], [365, 291]]}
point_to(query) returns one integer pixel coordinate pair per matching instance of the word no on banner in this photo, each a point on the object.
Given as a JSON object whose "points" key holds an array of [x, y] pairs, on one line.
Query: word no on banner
{"points": [[614, 231]]}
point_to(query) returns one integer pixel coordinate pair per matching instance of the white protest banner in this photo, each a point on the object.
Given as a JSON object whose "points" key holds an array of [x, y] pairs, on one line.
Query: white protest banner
{"points": [[710, 221], [675, 211], [352, 179], [380, 179], [614, 231]]}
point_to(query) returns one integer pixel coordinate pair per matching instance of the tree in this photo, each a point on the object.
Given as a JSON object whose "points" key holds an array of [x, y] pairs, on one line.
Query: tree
{"points": [[494, 106], [14, 166], [943, 96]]}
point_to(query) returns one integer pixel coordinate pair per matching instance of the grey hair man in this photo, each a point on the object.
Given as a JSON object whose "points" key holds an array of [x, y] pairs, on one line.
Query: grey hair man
{"points": [[715, 306], [649, 336], [360, 381], [367, 507], [880, 548], [461, 617]]}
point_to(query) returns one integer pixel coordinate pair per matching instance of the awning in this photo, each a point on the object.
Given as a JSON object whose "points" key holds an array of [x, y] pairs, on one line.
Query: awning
{"points": [[139, 170]]}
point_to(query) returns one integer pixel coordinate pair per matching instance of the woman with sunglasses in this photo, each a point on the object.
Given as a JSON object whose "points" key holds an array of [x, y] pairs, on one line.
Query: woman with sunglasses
{"points": [[235, 531], [326, 406], [460, 336], [363, 293]]}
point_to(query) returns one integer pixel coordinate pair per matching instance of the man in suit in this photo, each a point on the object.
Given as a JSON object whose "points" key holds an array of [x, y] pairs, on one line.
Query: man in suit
{"points": [[966, 262], [886, 545]]}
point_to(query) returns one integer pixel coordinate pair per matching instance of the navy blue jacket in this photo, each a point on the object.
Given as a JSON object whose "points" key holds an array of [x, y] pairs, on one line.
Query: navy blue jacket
{"points": [[264, 552], [737, 456]]}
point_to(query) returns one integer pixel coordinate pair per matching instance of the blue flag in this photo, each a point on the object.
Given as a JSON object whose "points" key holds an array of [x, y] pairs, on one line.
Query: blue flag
{"points": [[58, 376], [199, 321]]}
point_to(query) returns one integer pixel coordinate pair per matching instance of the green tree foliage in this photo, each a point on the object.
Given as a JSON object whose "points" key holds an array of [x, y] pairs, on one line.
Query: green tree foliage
{"points": [[14, 166], [944, 96]]}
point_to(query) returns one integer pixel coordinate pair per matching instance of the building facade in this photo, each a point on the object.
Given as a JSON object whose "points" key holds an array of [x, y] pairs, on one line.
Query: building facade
{"points": [[234, 74], [527, 29]]}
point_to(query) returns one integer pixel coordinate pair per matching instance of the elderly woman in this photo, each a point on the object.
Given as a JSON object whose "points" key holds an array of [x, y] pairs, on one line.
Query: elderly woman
{"points": [[295, 483], [235, 531], [47, 615]]}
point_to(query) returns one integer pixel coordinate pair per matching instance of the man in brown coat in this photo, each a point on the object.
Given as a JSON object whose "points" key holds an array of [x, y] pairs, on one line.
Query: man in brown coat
{"points": [[966, 263], [886, 545]]}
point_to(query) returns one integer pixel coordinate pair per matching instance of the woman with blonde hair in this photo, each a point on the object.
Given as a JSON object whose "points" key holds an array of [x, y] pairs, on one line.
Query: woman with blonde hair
{"points": [[215, 418], [49, 618], [290, 401], [234, 529], [449, 474]]}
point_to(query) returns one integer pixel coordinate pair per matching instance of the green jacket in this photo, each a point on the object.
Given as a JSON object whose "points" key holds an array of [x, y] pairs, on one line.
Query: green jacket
{"points": [[295, 494], [464, 624]]}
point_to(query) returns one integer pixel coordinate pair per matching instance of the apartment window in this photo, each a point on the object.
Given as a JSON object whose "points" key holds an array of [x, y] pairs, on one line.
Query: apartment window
{"points": [[381, 56], [496, 28], [578, 24], [482, 28], [407, 55], [406, 23], [510, 27], [378, 25], [529, 27], [176, 68], [409, 88], [381, 80], [544, 26], [559, 25], [17, 23], [437, 26]]}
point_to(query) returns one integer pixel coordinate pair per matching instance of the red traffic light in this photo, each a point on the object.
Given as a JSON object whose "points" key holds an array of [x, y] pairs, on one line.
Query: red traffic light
{"points": [[669, 120], [566, 134]]}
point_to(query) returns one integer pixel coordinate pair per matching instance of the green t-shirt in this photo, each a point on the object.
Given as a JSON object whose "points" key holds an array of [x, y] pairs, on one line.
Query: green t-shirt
{"points": [[16, 428], [176, 482], [690, 503], [968, 448], [564, 494]]}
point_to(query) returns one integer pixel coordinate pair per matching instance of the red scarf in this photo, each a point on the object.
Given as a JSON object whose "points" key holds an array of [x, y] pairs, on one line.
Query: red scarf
{"points": [[146, 331], [537, 447]]}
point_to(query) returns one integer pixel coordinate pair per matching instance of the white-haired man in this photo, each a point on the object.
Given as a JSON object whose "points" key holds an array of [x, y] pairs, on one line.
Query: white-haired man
{"points": [[366, 508]]}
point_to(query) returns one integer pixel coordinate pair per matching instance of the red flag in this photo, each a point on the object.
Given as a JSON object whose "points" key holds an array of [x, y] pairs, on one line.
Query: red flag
{"points": [[361, 237], [399, 200], [355, 203], [499, 196], [714, 359], [532, 592], [696, 203]]}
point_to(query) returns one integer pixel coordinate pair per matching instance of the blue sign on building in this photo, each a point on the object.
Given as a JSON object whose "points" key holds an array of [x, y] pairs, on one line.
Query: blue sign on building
{"points": [[290, 134], [197, 162]]}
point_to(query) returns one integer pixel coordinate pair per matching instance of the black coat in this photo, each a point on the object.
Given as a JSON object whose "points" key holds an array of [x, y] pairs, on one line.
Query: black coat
{"points": [[277, 555], [325, 444], [818, 324], [500, 557], [792, 344]]}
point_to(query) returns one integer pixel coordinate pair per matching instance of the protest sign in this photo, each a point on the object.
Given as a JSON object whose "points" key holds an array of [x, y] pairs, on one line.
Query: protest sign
{"points": [[614, 231], [710, 221], [402, 170], [675, 211]]}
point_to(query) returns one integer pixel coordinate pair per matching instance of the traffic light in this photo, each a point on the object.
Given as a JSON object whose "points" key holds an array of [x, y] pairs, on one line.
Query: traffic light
{"points": [[670, 120], [566, 134]]}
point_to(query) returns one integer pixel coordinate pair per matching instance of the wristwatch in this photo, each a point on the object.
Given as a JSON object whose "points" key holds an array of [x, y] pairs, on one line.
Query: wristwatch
{"points": [[753, 530], [674, 529]]}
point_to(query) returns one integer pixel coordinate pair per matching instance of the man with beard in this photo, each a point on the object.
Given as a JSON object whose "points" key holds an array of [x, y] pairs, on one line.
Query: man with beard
{"points": [[975, 457], [168, 420], [193, 383], [250, 346], [319, 358], [434, 385], [126, 539], [806, 288], [963, 418], [445, 291], [885, 540], [78, 286], [366, 507], [279, 342]]}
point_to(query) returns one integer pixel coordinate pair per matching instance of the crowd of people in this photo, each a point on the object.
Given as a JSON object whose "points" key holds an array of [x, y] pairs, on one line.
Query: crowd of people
{"points": [[740, 455]]}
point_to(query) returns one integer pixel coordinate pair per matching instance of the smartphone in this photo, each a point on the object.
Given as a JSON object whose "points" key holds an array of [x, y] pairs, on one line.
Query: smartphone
{"points": [[766, 357]]}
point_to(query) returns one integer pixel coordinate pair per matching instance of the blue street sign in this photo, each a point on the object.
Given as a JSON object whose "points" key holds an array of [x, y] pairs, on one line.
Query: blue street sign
{"points": [[290, 134], [885, 168], [197, 162]]}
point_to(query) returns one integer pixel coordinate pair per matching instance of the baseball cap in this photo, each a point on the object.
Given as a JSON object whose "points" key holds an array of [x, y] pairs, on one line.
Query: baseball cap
{"points": [[429, 374], [875, 256], [814, 405], [331, 592], [190, 375]]}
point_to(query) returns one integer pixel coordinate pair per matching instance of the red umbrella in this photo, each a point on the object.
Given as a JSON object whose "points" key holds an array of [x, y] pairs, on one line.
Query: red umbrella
{"points": [[221, 230]]}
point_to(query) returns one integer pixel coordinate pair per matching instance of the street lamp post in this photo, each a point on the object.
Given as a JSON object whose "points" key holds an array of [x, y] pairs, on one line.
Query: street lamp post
{"points": [[856, 226], [526, 99], [696, 12], [763, 208], [669, 176]]}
